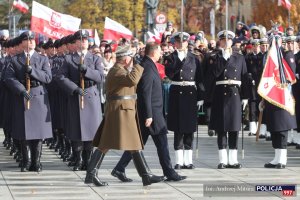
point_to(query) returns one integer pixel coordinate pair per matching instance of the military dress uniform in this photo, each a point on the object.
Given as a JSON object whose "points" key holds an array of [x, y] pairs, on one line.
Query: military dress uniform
{"points": [[183, 68], [231, 80], [254, 65], [278, 120], [31, 125], [82, 123]]}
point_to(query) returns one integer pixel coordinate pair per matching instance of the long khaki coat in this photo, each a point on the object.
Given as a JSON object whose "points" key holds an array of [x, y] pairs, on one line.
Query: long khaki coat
{"points": [[120, 128]]}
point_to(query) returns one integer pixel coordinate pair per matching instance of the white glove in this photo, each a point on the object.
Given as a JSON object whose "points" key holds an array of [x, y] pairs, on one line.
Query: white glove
{"points": [[244, 103], [261, 106], [200, 103]]}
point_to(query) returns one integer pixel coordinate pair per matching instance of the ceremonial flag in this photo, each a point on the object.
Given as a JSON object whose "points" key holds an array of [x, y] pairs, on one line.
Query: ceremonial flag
{"points": [[52, 24], [154, 37], [21, 6], [277, 78], [115, 31], [96, 38], [285, 3]]}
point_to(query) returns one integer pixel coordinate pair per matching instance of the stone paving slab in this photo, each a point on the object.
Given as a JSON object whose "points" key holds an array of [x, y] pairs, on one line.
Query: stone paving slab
{"points": [[57, 181]]}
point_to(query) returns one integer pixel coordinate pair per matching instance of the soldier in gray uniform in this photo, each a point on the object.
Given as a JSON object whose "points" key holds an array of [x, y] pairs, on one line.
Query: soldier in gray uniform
{"points": [[229, 71], [31, 124], [83, 117]]}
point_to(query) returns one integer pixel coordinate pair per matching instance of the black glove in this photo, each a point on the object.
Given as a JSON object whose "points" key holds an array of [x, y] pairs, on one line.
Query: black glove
{"points": [[28, 69], [80, 91], [26, 95], [83, 68]]}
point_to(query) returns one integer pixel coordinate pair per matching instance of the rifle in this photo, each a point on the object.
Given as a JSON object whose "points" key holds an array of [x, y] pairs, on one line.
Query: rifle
{"points": [[27, 76], [81, 78]]}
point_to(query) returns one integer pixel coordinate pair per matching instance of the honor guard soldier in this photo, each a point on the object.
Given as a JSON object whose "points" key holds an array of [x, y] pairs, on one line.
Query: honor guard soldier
{"points": [[253, 61], [78, 76], [278, 120], [26, 76], [229, 71], [184, 70], [296, 91]]}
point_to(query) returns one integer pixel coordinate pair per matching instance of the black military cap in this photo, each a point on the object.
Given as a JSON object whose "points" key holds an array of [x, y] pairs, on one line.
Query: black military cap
{"points": [[57, 43], [27, 35], [81, 34], [48, 44], [17, 41]]}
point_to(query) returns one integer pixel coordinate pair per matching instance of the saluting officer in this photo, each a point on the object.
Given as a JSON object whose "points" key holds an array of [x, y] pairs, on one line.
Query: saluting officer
{"points": [[31, 124], [184, 70], [82, 122], [229, 71]]}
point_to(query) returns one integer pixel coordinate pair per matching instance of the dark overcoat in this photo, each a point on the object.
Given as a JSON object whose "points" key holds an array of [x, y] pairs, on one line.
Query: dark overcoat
{"points": [[33, 123], [278, 119], [226, 111], [81, 124], [296, 90], [150, 99], [182, 110]]}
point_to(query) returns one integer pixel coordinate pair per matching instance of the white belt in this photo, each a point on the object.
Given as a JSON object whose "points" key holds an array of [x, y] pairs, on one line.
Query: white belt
{"points": [[183, 83], [229, 82]]}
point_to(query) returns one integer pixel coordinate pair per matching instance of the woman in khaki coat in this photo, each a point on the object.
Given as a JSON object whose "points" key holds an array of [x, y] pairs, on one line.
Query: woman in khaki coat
{"points": [[120, 129]]}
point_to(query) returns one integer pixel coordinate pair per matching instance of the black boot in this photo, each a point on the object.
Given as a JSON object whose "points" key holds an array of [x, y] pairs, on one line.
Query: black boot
{"points": [[93, 167], [36, 152], [86, 157], [141, 166], [25, 162], [68, 151], [78, 160]]}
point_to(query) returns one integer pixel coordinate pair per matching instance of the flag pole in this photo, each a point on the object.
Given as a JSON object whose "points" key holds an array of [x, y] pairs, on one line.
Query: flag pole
{"points": [[181, 25]]}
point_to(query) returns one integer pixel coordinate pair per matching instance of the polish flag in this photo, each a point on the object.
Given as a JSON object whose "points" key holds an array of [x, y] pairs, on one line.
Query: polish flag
{"points": [[115, 31], [285, 3], [21, 6], [277, 78], [154, 37], [53, 24]]}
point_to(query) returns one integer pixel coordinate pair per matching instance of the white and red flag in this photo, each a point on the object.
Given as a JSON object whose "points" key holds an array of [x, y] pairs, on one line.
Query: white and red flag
{"points": [[21, 6], [53, 24], [114, 30], [277, 78], [285, 3], [154, 36]]}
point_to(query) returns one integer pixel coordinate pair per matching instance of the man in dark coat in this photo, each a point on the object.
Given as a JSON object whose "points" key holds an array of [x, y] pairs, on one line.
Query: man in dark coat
{"points": [[278, 120], [296, 91], [83, 117], [31, 124], [183, 68], [229, 71], [151, 117]]}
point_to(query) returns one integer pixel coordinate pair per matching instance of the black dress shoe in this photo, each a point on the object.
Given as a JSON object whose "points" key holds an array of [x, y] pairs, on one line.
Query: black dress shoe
{"points": [[175, 177], [262, 136], [268, 138], [251, 134], [190, 166], [280, 166], [291, 144], [269, 165], [235, 166], [177, 166], [222, 166], [211, 133], [120, 175]]}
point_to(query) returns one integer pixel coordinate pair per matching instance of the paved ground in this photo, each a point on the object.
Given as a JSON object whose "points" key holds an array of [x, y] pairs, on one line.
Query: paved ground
{"points": [[58, 181]]}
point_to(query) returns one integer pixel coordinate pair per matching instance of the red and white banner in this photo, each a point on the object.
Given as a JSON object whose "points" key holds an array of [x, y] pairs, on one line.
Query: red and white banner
{"points": [[52, 24], [21, 6], [285, 3], [154, 37], [276, 80], [115, 31]]}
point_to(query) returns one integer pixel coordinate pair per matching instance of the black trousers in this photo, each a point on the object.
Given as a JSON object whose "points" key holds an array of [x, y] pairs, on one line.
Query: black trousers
{"points": [[183, 141], [82, 145], [279, 139], [232, 140], [161, 143]]}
